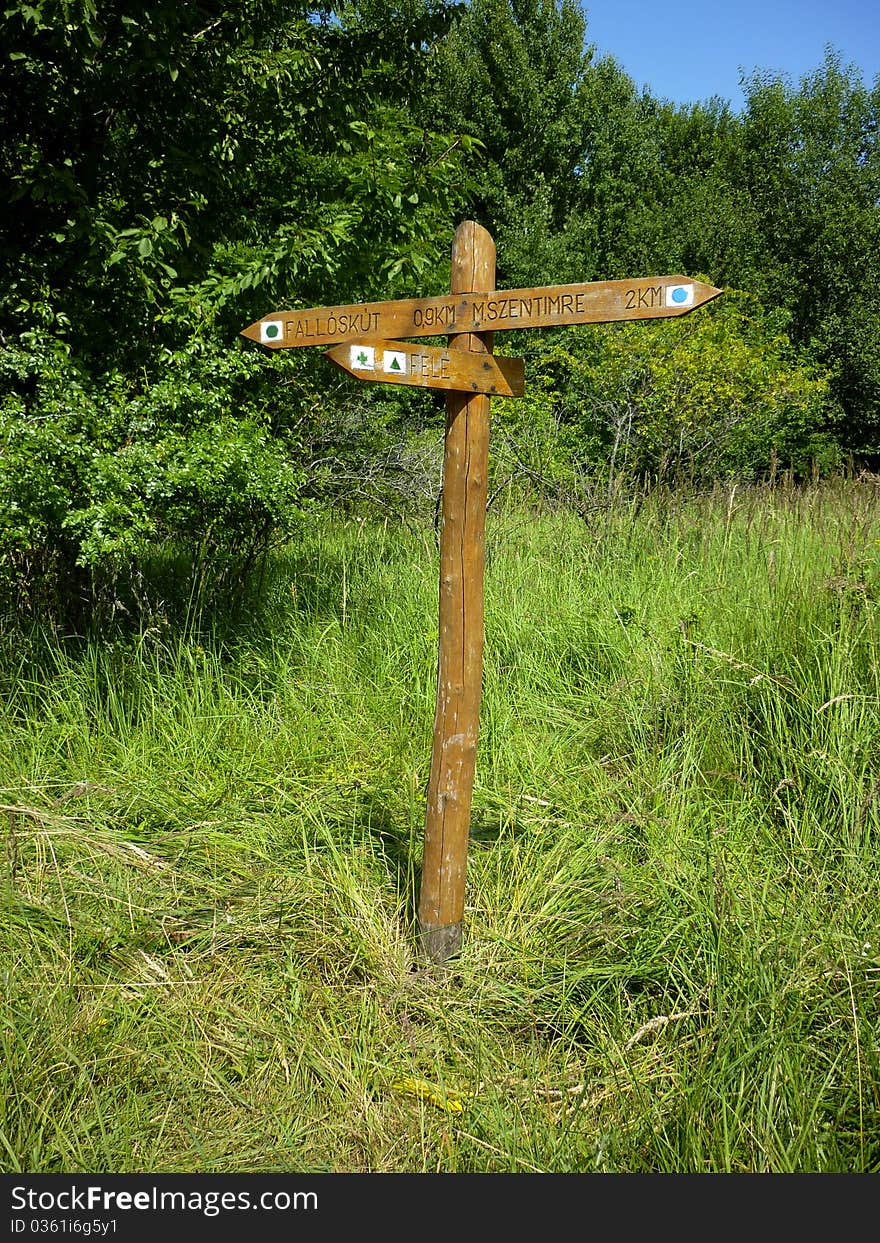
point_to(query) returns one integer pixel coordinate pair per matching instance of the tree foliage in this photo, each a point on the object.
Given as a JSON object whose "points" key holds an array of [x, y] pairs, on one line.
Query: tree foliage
{"points": [[174, 171], [811, 159], [716, 395], [178, 163], [96, 473], [600, 181]]}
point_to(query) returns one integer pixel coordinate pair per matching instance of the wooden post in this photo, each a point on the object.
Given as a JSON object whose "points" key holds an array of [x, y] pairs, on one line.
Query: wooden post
{"points": [[460, 666]]}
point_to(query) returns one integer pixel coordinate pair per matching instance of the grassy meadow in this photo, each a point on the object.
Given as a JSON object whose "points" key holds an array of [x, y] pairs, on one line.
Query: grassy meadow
{"points": [[211, 847]]}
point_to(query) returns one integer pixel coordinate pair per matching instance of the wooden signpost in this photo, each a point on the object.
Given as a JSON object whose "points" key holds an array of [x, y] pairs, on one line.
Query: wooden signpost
{"points": [[367, 344]]}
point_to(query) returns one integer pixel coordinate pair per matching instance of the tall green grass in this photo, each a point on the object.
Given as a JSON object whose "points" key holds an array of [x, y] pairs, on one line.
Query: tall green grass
{"points": [[672, 951]]}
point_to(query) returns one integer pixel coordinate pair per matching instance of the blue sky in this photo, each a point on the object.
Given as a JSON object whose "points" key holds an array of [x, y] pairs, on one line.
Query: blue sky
{"points": [[688, 50]]}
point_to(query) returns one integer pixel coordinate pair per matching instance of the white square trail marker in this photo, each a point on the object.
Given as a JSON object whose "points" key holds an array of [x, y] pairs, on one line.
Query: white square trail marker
{"points": [[272, 331], [363, 357], [468, 316], [680, 296], [395, 361]]}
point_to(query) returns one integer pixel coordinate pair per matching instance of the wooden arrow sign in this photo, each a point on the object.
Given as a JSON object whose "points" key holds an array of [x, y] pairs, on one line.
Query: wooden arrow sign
{"points": [[652, 297], [395, 362]]}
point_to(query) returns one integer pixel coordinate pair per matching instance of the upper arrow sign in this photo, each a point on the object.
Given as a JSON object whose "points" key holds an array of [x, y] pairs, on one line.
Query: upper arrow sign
{"points": [[652, 297]]}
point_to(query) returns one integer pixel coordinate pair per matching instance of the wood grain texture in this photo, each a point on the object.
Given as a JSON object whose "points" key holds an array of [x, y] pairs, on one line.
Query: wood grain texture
{"points": [[425, 366], [460, 662], [478, 310]]}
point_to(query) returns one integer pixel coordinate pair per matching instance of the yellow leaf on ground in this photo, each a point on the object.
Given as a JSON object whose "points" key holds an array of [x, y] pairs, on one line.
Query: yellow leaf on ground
{"points": [[450, 1101]]}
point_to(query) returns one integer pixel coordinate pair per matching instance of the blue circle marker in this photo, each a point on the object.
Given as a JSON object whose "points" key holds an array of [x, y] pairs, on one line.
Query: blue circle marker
{"points": [[679, 295]]}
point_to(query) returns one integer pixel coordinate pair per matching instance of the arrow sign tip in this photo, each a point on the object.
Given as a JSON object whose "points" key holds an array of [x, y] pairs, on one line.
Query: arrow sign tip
{"points": [[267, 331], [689, 293]]}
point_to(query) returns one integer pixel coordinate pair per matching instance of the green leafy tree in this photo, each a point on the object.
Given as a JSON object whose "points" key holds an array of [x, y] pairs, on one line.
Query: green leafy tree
{"points": [[581, 177], [98, 474], [173, 163], [173, 171], [509, 73], [810, 161]]}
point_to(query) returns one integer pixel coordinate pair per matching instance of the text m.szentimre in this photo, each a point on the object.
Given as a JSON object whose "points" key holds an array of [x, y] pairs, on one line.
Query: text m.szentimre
{"points": [[543, 307]]}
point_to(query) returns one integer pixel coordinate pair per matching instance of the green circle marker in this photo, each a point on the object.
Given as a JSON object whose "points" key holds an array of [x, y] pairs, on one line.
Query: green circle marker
{"points": [[272, 331]]}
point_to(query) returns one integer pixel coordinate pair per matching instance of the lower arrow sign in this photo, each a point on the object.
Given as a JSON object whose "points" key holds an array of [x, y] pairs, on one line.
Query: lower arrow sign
{"points": [[396, 362]]}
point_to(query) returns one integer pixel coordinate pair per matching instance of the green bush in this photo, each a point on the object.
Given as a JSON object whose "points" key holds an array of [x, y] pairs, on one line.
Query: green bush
{"points": [[718, 393], [203, 459]]}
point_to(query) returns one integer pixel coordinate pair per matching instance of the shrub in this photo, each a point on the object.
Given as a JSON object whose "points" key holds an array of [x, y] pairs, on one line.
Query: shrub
{"points": [[717, 393], [98, 473]]}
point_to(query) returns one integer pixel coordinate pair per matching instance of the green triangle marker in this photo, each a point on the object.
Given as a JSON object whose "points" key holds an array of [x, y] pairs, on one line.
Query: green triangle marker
{"points": [[395, 365]]}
